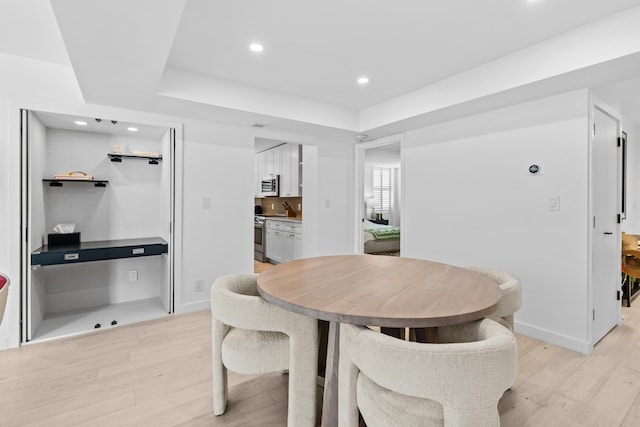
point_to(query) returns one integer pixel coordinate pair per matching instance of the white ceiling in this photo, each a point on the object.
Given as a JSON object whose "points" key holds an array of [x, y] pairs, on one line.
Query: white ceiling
{"points": [[426, 60], [317, 49], [104, 125]]}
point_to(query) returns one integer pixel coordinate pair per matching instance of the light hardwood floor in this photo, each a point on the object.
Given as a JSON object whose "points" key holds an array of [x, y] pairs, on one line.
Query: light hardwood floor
{"points": [[259, 267], [158, 373]]}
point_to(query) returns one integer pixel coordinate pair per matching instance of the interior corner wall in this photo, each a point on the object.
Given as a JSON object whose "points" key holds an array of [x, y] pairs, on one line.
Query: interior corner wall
{"points": [[470, 200]]}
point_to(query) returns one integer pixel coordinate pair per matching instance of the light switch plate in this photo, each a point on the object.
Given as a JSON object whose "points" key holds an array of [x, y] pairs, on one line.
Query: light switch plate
{"points": [[554, 203]]}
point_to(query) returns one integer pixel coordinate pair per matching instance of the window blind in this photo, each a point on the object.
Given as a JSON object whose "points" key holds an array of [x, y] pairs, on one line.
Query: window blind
{"points": [[382, 189]]}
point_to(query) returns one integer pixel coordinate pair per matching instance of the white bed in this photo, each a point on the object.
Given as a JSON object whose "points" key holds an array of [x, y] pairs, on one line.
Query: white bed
{"points": [[389, 242]]}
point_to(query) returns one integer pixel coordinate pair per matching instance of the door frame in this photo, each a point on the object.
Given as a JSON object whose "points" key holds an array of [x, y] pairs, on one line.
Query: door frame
{"points": [[596, 103], [359, 210]]}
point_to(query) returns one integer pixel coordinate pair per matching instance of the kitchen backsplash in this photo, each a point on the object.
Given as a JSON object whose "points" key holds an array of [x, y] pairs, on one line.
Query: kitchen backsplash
{"points": [[273, 205]]}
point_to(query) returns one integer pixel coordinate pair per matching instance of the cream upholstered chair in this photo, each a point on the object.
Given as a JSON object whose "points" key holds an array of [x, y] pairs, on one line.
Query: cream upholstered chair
{"points": [[252, 336], [511, 299], [402, 383], [4, 293]]}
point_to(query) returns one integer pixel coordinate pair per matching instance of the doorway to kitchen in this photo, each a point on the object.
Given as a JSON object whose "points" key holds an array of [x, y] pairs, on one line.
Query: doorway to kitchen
{"points": [[379, 196], [278, 201]]}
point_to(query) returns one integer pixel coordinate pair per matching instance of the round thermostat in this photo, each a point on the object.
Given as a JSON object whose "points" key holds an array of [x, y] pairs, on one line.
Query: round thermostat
{"points": [[534, 169]]}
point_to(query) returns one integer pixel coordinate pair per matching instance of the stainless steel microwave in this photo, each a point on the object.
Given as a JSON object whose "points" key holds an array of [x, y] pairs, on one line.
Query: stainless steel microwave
{"points": [[270, 186]]}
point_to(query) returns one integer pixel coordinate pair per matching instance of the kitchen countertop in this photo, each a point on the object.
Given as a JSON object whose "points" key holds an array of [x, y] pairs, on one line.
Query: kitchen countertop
{"points": [[282, 218]]}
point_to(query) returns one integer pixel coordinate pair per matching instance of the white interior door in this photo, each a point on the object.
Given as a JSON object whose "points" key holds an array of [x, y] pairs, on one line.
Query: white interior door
{"points": [[606, 227]]}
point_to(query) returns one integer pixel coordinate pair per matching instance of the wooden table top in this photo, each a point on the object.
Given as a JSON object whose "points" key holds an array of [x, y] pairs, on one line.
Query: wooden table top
{"points": [[380, 291]]}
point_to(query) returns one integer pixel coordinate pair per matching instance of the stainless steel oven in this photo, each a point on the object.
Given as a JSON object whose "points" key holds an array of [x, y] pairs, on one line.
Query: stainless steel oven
{"points": [[259, 239]]}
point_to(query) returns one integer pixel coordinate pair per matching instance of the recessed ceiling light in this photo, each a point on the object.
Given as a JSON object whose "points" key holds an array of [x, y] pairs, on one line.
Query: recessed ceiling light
{"points": [[363, 80], [132, 129], [80, 123], [256, 47]]}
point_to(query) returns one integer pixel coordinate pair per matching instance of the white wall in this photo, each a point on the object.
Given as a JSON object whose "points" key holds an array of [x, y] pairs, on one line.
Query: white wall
{"points": [[470, 200], [335, 199], [218, 164], [214, 161]]}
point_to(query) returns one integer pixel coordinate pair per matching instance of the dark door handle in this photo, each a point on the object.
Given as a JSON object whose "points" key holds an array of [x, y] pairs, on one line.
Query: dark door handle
{"points": [[608, 232]]}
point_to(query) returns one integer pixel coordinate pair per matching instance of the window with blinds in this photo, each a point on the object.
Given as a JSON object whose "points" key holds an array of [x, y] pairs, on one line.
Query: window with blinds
{"points": [[382, 189]]}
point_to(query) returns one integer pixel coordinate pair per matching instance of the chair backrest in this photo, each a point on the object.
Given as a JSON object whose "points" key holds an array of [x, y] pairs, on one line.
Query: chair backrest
{"points": [[235, 302], [456, 374], [511, 290], [630, 255], [629, 241], [4, 293]]}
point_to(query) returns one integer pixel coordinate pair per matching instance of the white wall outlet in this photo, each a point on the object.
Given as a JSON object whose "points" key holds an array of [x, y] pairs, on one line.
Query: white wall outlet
{"points": [[199, 286], [299, 206], [206, 203], [273, 206], [133, 275], [554, 203]]}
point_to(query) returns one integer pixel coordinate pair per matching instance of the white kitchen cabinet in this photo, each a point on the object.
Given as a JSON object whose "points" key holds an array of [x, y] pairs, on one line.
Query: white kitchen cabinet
{"points": [[258, 174], [290, 174], [274, 243], [284, 240], [292, 242], [273, 161], [283, 160]]}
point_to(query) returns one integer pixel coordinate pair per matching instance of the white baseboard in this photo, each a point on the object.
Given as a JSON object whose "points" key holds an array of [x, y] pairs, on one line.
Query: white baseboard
{"points": [[553, 338], [192, 306]]}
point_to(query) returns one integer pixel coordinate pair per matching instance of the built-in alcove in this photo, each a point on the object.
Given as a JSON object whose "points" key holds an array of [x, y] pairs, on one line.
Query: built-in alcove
{"points": [[115, 185]]}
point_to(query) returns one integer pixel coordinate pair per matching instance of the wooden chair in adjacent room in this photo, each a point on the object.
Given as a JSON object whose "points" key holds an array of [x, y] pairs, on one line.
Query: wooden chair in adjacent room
{"points": [[630, 267], [253, 336], [458, 382]]}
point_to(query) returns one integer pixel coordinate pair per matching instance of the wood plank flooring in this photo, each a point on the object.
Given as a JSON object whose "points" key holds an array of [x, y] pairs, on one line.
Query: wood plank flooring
{"points": [[158, 373]]}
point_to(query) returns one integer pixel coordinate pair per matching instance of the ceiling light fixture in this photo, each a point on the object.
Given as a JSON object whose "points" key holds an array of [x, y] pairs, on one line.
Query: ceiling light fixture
{"points": [[80, 123], [132, 129], [256, 47], [363, 80]]}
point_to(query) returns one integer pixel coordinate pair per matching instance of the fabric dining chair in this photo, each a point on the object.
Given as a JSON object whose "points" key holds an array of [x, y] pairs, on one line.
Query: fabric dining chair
{"points": [[457, 382], [4, 293], [252, 336], [511, 299]]}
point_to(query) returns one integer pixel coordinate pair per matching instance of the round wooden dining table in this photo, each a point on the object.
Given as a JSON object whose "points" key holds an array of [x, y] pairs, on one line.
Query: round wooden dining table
{"points": [[373, 290]]}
